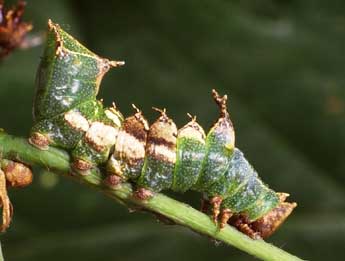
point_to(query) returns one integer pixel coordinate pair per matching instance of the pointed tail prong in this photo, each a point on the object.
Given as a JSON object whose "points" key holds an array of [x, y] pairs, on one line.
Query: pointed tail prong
{"points": [[116, 63]]}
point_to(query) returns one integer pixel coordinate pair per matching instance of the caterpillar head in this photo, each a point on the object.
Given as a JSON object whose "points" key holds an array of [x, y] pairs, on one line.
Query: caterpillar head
{"points": [[68, 75]]}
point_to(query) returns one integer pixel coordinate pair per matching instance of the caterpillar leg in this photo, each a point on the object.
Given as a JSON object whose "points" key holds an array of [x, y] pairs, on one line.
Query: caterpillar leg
{"points": [[81, 165], [112, 180], [39, 140], [216, 202], [143, 193], [94, 148], [242, 223], [248, 230], [226, 214], [42, 142]]}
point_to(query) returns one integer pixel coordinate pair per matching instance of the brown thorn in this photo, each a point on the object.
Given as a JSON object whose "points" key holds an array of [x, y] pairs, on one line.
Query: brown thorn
{"points": [[192, 118], [164, 117], [139, 116], [59, 41], [282, 196], [221, 102], [162, 112], [136, 108]]}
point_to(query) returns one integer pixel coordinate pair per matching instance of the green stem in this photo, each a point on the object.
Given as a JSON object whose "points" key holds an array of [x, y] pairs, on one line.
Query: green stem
{"points": [[59, 161]]}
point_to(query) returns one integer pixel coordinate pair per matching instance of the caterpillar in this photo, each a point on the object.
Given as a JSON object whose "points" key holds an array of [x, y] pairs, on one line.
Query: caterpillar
{"points": [[154, 158]]}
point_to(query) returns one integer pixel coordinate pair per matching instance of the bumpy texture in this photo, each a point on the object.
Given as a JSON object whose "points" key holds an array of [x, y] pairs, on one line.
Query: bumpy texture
{"points": [[154, 158]]}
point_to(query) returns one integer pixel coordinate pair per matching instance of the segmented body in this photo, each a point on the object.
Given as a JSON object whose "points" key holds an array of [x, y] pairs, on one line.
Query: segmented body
{"points": [[157, 157]]}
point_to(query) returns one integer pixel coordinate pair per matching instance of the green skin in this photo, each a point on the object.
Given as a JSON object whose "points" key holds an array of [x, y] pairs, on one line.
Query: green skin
{"points": [[235, 181], [71, 81]]}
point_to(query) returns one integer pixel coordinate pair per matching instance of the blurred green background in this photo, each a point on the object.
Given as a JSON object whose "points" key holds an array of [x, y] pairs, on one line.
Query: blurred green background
{"points": [[282, 64]]}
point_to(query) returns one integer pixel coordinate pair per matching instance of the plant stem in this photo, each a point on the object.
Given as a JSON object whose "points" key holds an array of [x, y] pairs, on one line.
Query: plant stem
{"points": [[58, 161]]}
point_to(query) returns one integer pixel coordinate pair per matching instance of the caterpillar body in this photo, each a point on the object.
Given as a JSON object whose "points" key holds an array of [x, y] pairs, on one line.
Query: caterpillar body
{"points": [[154, 158]]}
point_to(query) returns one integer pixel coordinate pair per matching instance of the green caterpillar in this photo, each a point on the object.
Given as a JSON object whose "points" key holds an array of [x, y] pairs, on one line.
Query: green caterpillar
{"points": [[160, 157]]}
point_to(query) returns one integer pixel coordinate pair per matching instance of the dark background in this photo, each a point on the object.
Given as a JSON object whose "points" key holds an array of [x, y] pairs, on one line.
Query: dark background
{"points": [[282, 65]]}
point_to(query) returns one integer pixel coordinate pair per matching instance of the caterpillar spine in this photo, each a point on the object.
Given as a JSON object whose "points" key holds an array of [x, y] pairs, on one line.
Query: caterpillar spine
{"points": [[154, 158]]}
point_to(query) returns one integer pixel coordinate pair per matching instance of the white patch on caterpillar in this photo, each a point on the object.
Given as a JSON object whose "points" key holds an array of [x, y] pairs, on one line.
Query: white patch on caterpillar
{"points": [[164, 130], [162, 152], [129, 147], [76, 120], [191, 133], [101, 136]]}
